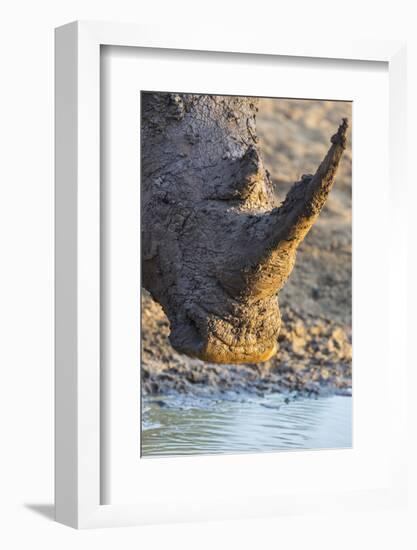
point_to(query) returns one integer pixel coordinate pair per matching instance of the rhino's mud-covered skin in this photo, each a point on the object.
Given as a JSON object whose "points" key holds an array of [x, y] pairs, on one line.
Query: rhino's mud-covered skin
{"points": [[216, 246]]}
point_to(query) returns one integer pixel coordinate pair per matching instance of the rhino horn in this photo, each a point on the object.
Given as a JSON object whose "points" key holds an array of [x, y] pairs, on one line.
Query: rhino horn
{"points": [[277, 234], [305, 200]]}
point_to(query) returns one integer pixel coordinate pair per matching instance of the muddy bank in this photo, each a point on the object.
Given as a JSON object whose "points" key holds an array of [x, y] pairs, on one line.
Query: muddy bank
{"points": [[315, 343], [314, 358]]}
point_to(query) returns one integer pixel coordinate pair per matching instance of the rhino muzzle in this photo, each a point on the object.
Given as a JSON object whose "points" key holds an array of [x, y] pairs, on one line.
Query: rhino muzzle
{"points": [[247, 336]]}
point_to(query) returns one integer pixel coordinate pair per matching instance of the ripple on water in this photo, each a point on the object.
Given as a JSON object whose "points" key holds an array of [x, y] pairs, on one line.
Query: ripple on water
{"points": [[188, 425]]}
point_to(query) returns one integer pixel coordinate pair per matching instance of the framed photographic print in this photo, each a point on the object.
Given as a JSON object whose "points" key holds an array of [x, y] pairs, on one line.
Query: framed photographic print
{"points": [[225, 311]]}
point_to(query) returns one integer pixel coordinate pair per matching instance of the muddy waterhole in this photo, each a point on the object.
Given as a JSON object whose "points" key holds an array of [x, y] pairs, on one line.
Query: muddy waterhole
{"points": [[178, 424]]}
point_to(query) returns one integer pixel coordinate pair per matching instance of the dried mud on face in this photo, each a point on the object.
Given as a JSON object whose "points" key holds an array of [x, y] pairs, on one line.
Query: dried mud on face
{"points": [[315, 348]]}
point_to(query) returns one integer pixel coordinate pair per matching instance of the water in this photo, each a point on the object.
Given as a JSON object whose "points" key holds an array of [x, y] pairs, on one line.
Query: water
{"points": [[189, 425]]}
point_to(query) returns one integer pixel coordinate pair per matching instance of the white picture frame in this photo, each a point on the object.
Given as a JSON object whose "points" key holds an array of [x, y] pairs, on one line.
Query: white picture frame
{"points": [[78, 383]]}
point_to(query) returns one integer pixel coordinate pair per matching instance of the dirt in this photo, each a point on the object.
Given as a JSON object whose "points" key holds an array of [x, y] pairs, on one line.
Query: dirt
{"points": [[315, 343]]}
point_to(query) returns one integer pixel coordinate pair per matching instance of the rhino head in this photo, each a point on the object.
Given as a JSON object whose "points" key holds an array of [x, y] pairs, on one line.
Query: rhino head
{"points": [[216, 246]]}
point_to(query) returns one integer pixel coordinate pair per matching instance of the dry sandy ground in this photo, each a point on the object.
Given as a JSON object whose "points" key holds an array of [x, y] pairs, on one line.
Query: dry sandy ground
{"points": [[315, 340]]}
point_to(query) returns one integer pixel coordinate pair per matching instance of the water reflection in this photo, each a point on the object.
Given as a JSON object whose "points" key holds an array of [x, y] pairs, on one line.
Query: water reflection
{"points": [[189, 425]]}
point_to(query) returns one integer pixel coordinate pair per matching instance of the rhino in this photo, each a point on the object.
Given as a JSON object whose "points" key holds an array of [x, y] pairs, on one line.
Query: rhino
{"points": [[216, 246]]}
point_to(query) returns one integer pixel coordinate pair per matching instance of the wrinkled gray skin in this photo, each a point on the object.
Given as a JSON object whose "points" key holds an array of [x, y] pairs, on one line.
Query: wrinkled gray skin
{"points": [[216, 248]]}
